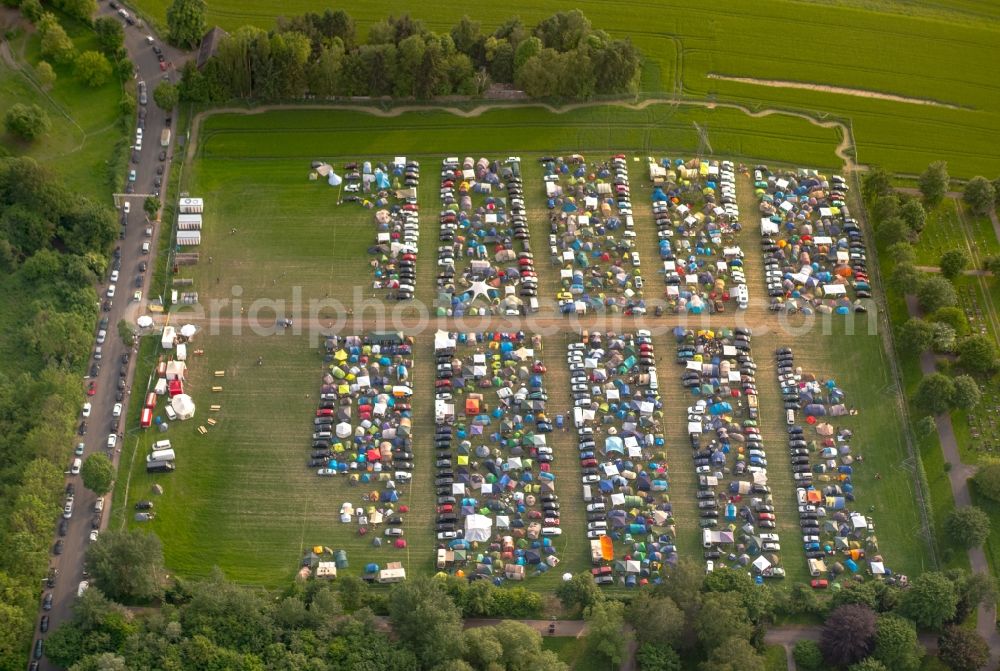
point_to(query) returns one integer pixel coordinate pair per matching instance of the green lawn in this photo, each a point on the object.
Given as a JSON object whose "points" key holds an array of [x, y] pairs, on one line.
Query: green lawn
{"points": [[85, 121], [573, 651], [920, 50], [775, 659], [243, 499]]}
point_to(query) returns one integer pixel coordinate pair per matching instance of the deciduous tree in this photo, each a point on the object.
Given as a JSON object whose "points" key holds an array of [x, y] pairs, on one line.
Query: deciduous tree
{"points": [[934, 182], [934, 393], [968, 526], [426, 621], [110, 34], [930, 601], [29, 122], [807, 654], [98, 473], [935, 293], [916, 335], [605, 631], [733, 654], [913, 213], [127, 565], [876, 182], [580, 592], [93, 68], [980, 195], [656, 620], [848, 635], [56, 44], [45, 74], [978, 354], [896, 643], [953, 262], [987, 481], [186, 22], [967, 394], [962, 649], [166, 95]]}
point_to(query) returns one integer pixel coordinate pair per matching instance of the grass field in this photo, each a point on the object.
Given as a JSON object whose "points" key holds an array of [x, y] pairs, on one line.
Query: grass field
{"points": [[85, 121], [933, 51], [243, 499]]}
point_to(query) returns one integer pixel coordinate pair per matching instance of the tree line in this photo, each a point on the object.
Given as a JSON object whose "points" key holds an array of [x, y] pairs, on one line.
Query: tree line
{"points": [[716, 621], [53, 247], [320, 55]]}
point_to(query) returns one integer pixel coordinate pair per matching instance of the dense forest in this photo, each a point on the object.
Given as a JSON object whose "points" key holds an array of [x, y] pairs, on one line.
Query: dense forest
{"points": [[319, 55], [53, 247]]}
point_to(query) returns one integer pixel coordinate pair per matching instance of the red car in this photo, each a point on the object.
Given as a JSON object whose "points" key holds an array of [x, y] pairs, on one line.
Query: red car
{"points": [[324, 412], [765, 516], [446, 508], [586, 463], [92, 389], [819, 584]]}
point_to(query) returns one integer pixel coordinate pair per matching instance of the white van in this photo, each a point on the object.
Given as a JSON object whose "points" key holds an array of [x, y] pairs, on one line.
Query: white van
{"points": [[161, 445], [588, 494], [789, 417], [171, 415], [160, 455]]}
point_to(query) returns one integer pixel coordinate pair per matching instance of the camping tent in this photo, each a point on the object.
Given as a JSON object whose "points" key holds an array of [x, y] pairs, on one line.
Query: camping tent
{"points": [[477, 528], [183, 405]]}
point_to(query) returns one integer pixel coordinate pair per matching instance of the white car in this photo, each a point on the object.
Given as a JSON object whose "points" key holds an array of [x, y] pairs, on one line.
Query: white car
{"points": [[709, 566], [111, 291], [326, 471], [590, 479], [596, 533], [112, 441], [78, 450], [86, 409], [595, 508], [75, 468], [551, 531], [446, 535], [93, 535], [68, 509], [117, 410], [127, 207], [114, 276]]}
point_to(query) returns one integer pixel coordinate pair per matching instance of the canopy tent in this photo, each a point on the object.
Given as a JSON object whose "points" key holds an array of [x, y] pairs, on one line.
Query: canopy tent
{"points": [[183, 406], [477, 528]]}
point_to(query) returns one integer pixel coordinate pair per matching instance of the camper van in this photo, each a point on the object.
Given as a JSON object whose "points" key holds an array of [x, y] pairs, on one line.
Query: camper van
{"points": [[160, 455], [161, 445], [789, 417], [742, 296], [588, 495]]}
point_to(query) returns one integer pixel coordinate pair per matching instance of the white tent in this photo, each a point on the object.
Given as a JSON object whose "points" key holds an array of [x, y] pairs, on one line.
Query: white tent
{"points": [[188, 330], [183, 405], [343, 430], [477, 528], [144, 322], [334, 179], [761, 564], [167, 339]]}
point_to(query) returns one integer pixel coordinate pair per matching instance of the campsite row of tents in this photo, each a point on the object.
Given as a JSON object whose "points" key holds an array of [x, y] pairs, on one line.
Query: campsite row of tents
{"points": [[837, 539], [362, 429], [397, 234], [814, 251], [618, 417], [726, 443], [496, 492], [485, 264], [697, 220], [592, 235]]}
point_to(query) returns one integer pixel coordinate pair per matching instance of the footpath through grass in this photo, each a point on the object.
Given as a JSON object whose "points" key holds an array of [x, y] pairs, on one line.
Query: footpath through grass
{"points": [[85, 121]]}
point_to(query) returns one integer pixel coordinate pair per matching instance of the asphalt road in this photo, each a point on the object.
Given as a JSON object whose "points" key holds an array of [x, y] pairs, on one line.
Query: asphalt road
{"points": [[70, 563]]}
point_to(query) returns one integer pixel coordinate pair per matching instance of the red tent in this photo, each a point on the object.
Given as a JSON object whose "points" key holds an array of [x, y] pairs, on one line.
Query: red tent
{"points": [[176, 387], [374, 455]]}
